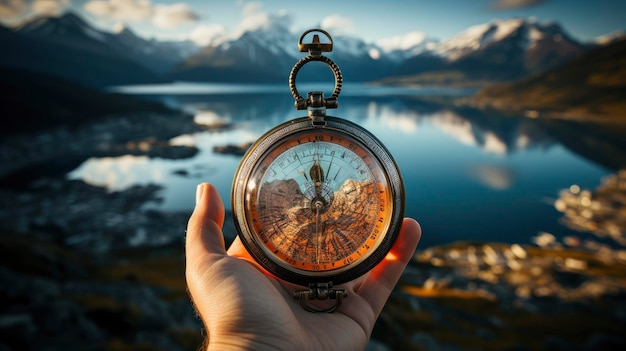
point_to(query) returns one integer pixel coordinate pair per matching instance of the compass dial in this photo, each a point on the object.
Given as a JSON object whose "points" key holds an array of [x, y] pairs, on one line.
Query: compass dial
{"points": [[317, 202]]}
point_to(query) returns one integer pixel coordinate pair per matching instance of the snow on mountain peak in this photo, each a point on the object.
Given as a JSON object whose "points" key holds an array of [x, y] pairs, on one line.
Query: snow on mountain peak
{"points": [[610, 38], [402, 42], [208, 35], [119, 27], [528, 32], [478, 36]]}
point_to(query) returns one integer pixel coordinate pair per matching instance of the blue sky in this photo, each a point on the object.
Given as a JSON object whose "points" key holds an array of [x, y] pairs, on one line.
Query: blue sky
{"points": [[373, 21]]}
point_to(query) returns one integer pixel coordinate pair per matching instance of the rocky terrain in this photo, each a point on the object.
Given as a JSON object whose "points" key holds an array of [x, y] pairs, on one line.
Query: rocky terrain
{"points": [[114, 290], [83, 268]]}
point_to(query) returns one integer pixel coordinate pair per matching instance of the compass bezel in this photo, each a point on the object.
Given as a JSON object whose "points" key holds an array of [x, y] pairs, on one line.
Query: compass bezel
{"points": [[251, 239]]}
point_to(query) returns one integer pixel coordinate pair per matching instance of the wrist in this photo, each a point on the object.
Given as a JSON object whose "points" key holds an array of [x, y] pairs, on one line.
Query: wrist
{"points": [[236, 343]]}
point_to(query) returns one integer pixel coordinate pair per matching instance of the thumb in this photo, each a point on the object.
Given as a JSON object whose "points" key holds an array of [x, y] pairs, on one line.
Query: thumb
{"points": [[204, 229]]}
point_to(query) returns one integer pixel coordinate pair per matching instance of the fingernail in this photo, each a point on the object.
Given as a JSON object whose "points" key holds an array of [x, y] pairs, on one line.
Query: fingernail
{"points": [[199, 193]]}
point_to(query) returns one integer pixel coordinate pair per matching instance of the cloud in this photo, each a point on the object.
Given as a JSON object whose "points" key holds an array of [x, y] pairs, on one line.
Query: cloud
{"points": [[161, 15], [49, 7], [120, 10], [251, 8], [12, 10], [337, 24], [254, 18], [402, 42], [171, 16], [504, 5], [208, 34]]}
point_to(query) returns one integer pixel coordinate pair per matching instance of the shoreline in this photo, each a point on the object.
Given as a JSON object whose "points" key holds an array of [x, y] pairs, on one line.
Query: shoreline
{"points": [[77, 252]]}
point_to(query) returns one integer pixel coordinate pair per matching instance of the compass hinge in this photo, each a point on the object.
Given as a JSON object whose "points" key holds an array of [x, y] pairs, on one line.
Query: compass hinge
{"points": [[320, 291], [317, 107]]}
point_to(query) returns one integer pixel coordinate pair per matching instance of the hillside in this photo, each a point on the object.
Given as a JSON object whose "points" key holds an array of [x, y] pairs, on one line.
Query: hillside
{"points": [[32, 102], [591, 87], [68, 47]]}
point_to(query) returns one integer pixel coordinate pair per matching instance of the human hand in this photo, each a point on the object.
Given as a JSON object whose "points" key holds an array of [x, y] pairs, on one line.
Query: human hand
{"points": [[243, 307]]}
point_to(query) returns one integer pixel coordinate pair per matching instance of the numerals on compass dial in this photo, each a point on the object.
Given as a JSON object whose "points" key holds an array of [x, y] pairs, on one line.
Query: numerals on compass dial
{"points": [[317, 202]]}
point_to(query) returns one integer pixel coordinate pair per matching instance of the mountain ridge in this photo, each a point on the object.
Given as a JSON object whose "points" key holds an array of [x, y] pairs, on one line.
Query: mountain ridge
{"points": [[590, 86], [497, 51], [501, 50]]}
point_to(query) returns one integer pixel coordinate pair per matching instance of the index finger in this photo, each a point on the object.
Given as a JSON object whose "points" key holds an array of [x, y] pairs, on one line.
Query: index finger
{"points": [[381, 280]]}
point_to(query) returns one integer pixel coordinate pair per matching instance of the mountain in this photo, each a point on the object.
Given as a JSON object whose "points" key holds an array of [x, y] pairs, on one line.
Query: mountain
{"points": [[68, 47], [360, 61], [33, 102], [255, 56], [592, 86], [401, 48], [71, 30], [501, 50], [268, 55], [158, 56]]}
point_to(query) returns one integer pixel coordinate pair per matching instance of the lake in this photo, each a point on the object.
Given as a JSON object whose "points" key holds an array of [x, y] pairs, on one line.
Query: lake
{"points": [[468, 176]]}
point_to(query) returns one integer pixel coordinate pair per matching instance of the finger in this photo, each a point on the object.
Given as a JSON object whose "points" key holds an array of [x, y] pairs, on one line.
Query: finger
{"points": [[381, 280], [237, 249], [204, 233]]}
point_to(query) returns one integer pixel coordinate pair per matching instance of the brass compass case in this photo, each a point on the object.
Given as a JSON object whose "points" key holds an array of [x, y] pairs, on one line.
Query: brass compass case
{"points": [[318, 200]]}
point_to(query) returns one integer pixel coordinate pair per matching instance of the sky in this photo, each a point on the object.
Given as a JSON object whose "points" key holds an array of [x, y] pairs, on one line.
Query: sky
{"points": [[391, 23]]}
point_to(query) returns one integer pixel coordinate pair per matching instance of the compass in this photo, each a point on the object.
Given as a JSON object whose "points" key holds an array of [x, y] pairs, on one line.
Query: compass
{"points": [[318, 201]]}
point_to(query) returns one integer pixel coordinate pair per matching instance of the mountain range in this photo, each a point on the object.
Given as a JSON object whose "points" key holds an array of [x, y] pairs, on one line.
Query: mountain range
{"points": [[501, 50], [69, 47]]}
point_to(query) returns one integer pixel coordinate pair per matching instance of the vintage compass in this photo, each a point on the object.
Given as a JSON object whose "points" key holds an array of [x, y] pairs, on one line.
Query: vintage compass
{"points": [[318, 200]]}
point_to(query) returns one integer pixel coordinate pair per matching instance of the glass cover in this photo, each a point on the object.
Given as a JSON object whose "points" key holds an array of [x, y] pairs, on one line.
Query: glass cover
{"points": [[316, 201]]}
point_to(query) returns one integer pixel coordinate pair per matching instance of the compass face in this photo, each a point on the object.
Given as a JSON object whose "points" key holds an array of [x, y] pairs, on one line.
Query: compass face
{"points": [[318, 203]]}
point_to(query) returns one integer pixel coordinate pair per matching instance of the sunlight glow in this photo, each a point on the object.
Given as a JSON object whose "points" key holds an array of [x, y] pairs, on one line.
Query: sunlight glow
{"points": [[391, 257]]}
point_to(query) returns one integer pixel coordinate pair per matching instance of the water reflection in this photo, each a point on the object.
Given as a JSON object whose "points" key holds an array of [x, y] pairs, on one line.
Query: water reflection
{"points": [[494, 177], [468, 176]]}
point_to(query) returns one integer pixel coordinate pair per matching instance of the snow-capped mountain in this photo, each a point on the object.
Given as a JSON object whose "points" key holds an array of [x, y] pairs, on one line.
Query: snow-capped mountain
{"points": [[269, 53], [68, 47], [524, 35], [259, 55], [62, 28], [499, 50], [402, 47], [70, 30], [158, 56], [495, 51]]}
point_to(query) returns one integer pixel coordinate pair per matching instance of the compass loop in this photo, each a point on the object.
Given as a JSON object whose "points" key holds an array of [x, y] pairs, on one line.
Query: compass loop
{"points": [[302, 103]]}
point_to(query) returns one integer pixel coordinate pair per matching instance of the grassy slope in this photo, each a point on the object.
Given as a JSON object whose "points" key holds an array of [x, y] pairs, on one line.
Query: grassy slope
{"points": [[592, 86]]}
